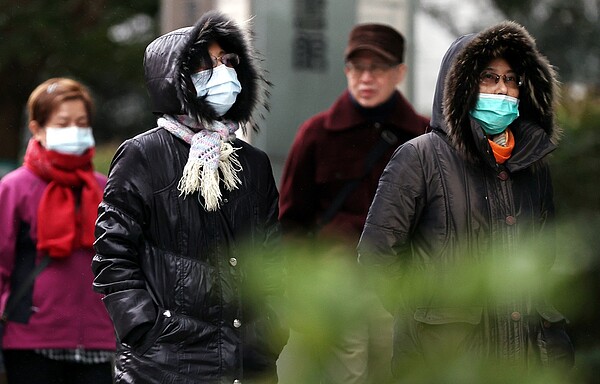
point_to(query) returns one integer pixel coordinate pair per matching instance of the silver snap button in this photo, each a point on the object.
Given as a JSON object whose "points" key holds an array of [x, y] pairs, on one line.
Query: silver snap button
{"points": [[233, 261], [237, 323], [167, 313]]}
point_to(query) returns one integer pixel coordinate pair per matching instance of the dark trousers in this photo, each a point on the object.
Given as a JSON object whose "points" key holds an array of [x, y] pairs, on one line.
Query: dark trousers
{"points": [[28, 367]]}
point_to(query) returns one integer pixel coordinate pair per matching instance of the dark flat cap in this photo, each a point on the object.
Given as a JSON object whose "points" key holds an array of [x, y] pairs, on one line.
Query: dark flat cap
{"points": [[378, 38]]}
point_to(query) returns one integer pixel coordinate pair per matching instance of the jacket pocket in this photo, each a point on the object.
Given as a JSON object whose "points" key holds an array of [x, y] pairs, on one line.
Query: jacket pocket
{"points": [[551, 340], [265, 338], [152, 336], [551, 314], [446, 315]]}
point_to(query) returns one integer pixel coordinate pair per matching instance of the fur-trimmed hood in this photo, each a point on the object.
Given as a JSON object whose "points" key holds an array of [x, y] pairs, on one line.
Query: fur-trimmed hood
{"points": [[458, 85], [171, 58]]}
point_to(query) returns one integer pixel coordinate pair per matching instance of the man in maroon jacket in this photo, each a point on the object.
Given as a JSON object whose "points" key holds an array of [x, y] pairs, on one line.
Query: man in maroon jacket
{"points": [[331, 175]]}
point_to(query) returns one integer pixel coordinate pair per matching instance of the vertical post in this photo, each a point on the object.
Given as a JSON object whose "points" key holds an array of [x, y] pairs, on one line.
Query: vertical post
{"points": [[303, 42], [411, 58]]}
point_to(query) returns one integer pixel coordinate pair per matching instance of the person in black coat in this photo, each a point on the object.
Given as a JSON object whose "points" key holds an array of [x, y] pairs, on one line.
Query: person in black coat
{"points": [[461, 221], [189, 219]]}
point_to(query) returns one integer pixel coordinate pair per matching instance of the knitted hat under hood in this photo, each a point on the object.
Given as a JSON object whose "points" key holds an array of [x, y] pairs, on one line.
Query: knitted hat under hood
{"points": [[458, 82], [171, 58]]}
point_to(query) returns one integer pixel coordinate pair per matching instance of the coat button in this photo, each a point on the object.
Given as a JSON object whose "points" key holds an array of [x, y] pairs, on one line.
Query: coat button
{"points": [[510, 220], [503, 175], [236, 381], [515, 316], [167, 313], [233, 261], [237, 323]]}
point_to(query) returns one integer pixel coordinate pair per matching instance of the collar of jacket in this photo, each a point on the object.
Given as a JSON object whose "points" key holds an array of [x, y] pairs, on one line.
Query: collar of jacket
{"points": [[343, 115], [532, 144]]}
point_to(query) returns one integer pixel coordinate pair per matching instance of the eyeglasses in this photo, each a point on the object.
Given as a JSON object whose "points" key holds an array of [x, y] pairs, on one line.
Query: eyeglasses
{"points": [[375, 69], [229, 59], [490, 79]]}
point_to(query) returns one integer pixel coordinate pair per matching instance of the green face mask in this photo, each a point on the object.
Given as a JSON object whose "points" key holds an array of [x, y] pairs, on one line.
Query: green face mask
{"points": [[495, 112]]}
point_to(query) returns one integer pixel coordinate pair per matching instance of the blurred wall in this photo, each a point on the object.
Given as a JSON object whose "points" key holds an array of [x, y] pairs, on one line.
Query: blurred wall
{"points": [[303, 42], [182, 13]]}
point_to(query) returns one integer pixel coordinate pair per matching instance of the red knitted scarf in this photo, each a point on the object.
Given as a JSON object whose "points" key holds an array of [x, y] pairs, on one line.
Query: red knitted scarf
{"points": [[63, 224]]}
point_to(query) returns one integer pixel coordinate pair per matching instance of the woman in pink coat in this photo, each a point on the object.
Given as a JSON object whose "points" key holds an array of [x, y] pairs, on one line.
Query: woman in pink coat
{"points": [[56, 329]]}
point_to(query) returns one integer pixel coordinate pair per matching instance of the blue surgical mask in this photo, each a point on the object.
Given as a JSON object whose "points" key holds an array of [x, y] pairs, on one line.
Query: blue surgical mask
{"points": [[221, 89], [495, 112], [69, 140]]}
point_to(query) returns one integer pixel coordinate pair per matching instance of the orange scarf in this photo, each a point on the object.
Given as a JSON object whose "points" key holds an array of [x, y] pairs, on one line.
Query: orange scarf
{"points": [[502, 153], [62, 224]]}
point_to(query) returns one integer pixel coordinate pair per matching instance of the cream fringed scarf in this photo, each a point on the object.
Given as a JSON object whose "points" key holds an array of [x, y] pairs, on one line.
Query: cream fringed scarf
{"points": [[210, 152]]}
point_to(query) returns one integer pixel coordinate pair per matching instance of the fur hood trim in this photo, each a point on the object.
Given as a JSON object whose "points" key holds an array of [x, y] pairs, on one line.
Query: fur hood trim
{"points": [[171, 58], [469, 56]]}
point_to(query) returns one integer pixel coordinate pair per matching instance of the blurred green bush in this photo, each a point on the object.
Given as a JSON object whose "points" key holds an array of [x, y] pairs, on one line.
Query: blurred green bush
{"points": [[104, 155]]}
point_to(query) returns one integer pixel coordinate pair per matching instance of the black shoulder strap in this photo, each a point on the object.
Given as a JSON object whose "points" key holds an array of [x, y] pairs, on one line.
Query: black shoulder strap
{"points": [[387, 139], [17, 295]]}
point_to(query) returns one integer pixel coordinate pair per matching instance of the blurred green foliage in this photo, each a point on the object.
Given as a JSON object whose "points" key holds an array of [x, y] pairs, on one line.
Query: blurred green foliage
{"points": [[576, 163], [326, 293], [104, 155], [576, 175]]}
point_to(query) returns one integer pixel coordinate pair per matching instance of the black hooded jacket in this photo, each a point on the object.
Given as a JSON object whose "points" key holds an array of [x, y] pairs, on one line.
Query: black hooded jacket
{"points": [[180, 282], [443, 201]]}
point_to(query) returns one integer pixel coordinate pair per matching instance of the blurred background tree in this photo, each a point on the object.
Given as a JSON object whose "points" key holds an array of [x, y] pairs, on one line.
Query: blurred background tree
{"points": [[98, 42], [565, 30]]}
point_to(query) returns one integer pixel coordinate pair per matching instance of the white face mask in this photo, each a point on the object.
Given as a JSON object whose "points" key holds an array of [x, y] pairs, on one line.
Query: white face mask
{"points": [[69, 140], [221, 90]]}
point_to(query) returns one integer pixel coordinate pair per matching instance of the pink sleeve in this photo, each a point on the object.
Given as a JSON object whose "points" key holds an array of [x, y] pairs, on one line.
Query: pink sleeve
{"points": [[9, 225]]}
